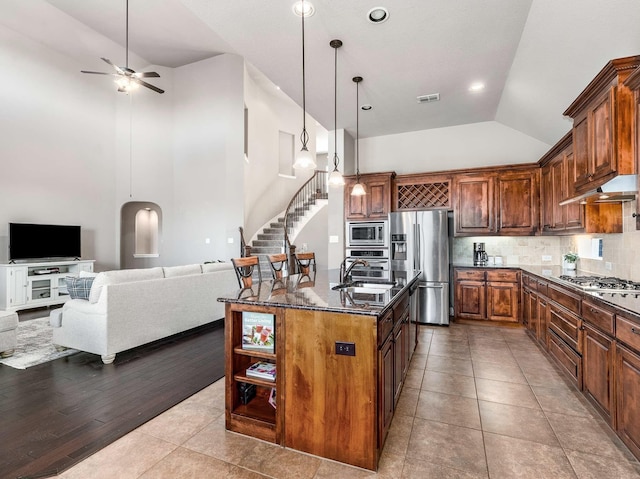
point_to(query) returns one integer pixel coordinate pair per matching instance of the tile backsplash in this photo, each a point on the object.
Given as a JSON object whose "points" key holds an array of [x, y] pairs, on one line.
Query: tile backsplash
{"points": [[620, 252]]}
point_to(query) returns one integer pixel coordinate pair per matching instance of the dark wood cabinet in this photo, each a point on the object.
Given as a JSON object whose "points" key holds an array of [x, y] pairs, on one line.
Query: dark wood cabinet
{"points": [[603, 142], [377, 201], [475, 204], [386, 390], [422, 191], [487, 294], [628, 397], [517, 205], [597, 363], [633, 83]]}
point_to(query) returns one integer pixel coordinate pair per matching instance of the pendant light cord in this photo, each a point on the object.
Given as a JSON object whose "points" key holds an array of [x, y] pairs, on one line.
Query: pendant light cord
{"points": [[335, 108], [358, 131], [304, 136], [126, 62]]}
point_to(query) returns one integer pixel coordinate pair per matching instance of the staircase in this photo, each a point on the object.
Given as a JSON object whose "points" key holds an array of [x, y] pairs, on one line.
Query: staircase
{"points": [[303, 206]]}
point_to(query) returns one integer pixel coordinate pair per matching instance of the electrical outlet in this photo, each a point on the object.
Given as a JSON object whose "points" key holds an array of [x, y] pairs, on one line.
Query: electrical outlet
{"points": [[345, 349], [546, 257], [608, 265], [230, 240]]}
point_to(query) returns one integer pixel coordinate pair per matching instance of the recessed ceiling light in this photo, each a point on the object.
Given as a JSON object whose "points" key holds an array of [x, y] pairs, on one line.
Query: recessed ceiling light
{"points": [[476, 87], [366, 107], [309, 9], [378, 15]]}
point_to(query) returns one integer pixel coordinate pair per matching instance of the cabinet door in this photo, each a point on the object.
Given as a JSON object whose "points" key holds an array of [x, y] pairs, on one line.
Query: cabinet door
{"points": [[628, 398], [517, 209], [398, 361], [558, 191], [502, 301], [543, 321], [17, 286], [532, 325], [574, 212], [378, 199], [471, 300], [475, 212], [601, 140], [581, 170], [546, 197], [385, 388], [597, 367], [526, 308], [355, 206]]}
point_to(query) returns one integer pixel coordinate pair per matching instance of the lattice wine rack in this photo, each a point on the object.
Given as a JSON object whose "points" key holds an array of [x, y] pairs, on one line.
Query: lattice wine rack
{"points": [[424, 195]]}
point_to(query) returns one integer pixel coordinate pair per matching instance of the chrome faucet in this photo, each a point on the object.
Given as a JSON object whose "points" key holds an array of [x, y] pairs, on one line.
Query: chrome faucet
{"points": [[344, 271]]}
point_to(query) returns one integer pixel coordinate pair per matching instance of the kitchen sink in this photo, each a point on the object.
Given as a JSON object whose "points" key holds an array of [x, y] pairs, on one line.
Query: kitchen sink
{"points": [[372, 287]]}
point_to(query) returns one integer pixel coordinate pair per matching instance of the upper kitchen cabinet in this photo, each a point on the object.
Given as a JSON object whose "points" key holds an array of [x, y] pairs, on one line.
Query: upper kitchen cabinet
{"points": [[554, 188], [603, 136], [422, 192], [375, 204], [497, 202], [633, 83]]}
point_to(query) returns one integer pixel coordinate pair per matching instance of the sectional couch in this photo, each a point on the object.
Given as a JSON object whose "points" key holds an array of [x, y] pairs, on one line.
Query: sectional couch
{"points": [[129, 308]]}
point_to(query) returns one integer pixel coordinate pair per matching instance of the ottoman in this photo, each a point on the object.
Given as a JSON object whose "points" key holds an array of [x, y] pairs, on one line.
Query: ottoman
{"points": [[8, 336]]}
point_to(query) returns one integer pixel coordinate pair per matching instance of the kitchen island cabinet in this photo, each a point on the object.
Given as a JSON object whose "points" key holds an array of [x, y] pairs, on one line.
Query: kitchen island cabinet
{"points": [[341, 359]]}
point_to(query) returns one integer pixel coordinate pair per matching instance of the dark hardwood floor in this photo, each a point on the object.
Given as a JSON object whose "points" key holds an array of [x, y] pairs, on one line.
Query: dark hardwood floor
{"points": [[55, 414]]}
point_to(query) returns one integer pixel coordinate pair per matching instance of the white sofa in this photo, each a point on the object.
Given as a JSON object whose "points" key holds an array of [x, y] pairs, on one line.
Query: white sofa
{"points": [[129, 308]]}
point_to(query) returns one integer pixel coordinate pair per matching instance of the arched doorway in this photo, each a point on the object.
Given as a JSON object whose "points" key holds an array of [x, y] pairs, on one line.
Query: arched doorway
{"points": [[140, 235]]}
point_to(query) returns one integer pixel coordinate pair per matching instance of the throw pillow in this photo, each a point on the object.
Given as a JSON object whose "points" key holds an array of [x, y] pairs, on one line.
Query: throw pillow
{"points": [[79, 287]]}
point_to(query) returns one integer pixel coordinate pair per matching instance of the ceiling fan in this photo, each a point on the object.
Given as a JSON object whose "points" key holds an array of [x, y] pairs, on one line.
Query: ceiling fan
{"points": [[128, 79]]}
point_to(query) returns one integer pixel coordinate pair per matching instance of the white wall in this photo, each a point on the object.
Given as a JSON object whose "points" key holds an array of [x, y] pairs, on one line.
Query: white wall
{"points": [[465, 146]]}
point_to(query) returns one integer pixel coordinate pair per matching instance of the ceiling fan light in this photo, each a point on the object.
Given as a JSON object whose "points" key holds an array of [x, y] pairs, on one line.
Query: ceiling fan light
{"points": [[304, 160], [336, 178], [358, 190]]}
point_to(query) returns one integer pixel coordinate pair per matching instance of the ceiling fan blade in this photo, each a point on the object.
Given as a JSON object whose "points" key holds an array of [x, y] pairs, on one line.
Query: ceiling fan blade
{"points": [[145, 84], [118, 69], [98, 73], [146, 75]]}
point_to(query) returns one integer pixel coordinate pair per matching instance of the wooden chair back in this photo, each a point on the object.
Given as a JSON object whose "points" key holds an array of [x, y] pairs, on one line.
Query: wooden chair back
{"points": [[244, 270], [278, 263], [306, 262]]}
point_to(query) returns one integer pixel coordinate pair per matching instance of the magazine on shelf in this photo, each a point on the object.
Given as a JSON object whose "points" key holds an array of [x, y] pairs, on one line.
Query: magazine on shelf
{"points": [[262, 370], [258, 331], [272, 397]]}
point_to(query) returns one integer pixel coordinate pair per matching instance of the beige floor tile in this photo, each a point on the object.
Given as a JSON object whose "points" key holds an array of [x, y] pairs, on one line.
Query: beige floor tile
{"points": [[454, 351], [493, 356], [447, 445], [563, 400], [498, 372], [389, 466], [514, 421], [450, 365], [418, 469], [506, 393], [449, 384], [509, 457], [586, 434], [398, 436], [280, 463], [593, 466], [125, 458], [408, 401], [179, 423], [414, 378], [418, 361], [545, 377], [184, 463], [457, 410]]}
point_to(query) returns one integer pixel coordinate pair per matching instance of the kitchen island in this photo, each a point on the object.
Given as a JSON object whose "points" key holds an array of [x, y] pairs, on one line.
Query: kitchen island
{"points": [[341, 357]]}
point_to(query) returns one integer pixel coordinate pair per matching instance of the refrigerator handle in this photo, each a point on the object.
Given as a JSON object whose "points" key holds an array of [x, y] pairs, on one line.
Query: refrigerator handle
{"points": [[416, 229], [415, 249]]}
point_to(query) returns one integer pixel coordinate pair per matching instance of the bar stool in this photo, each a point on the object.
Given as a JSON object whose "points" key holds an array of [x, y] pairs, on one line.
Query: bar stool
{"points": [[305, 261], [244, 270], [278, 263]]}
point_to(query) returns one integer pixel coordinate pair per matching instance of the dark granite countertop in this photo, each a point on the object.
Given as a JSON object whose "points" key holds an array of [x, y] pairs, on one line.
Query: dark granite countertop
{"points": [[313, 292]]}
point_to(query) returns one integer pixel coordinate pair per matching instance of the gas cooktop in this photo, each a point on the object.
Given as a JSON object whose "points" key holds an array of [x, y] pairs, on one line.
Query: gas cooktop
{"points": [[603, 284]]}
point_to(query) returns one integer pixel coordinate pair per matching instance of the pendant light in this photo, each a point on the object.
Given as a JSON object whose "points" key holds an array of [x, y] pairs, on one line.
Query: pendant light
{"points": [[335, 178], [358, 188], [304, 159]]}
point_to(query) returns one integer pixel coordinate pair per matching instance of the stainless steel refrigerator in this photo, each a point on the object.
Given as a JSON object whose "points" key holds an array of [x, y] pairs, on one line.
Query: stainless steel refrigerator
{"points": [[420, 240]]}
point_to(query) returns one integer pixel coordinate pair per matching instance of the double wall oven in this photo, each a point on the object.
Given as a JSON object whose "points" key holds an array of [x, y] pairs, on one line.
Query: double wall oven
{"points": [[368, 240]]}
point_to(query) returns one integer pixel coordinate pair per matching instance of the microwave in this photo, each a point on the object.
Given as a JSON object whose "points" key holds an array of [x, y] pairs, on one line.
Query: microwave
{"points": [[367, 233]]}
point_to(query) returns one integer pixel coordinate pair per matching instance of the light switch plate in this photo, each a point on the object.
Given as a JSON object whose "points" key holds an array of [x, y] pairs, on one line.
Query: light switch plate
{"points": [[333, 238]]}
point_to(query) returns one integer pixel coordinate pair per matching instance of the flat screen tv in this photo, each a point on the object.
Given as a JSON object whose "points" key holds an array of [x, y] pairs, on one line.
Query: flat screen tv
{"points": [[33, 241]]}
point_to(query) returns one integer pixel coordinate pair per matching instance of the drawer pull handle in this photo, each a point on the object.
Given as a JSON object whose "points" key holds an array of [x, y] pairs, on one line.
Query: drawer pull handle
{"points": [[593, 311], [635, 331]]}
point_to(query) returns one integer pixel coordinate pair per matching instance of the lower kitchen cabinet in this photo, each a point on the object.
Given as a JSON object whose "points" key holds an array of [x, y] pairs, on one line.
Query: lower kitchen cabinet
{"points": [[567, 358], [491, 294], [597, 368], [386, 392], [628, 397]]}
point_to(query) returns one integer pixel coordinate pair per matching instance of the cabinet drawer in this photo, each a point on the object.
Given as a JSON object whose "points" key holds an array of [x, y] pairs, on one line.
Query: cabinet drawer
{"points": [[526, 279], [385, 325], [566, 326], [566, 298], [470, 274], [542, 287], [628, 331], [598, 317], [504, 275], [400, 308], [568, 359]]}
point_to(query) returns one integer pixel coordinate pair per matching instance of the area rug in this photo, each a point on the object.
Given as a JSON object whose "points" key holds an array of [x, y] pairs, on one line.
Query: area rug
{"points": [[35, 345]]}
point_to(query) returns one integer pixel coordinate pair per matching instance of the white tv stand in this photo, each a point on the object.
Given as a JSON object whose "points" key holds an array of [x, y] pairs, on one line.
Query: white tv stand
{"points": [[33, 285]]}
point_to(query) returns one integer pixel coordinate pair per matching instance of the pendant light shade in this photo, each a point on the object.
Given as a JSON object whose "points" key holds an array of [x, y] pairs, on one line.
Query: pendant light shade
{"points": [[304, 159], [335, 178], [358, 188]]}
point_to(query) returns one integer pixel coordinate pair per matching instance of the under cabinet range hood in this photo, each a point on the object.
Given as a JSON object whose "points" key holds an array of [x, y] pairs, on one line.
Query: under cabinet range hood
{"points": [[618, 189]]}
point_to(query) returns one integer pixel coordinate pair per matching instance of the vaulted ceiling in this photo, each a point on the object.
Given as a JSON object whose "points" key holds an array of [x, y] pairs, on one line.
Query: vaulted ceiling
{"points": [[534, 56]]}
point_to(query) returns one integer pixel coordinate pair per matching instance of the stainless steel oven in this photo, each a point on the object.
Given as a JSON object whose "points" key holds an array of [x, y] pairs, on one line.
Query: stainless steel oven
{"points": [[367, 233], [377, 259]]}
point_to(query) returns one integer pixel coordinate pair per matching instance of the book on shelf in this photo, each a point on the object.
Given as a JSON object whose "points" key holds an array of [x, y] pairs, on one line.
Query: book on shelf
{"points": [[258, 331], [272, 397], [262, 370]]}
